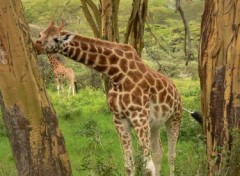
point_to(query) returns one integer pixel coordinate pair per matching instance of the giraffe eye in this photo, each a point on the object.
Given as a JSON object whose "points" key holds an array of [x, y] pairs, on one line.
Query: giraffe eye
{"points": [[39, 35], [56, 40]]}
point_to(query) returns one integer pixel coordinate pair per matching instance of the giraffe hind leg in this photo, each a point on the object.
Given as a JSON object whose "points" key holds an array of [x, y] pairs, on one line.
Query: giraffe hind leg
{"points": [[172, 127], [69, 89], [143, 133], [73, 88], [157, 149]]}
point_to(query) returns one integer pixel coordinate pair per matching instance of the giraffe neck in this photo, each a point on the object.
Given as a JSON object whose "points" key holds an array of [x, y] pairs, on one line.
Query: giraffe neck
{"points": [[109, 58], [53, 61]]}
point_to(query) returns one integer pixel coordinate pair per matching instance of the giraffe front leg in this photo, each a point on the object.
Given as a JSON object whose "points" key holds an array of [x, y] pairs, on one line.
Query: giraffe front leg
{"points": [[58, 85], [61, 85], [157, 149], [142, 129], [124, 130]]}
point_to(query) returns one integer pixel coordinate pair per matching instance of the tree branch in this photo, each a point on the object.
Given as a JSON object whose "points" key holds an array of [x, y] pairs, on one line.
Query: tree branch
{"points": [[90, 20], [95, 11], [135, 5], [157, 41], [187, 41]]}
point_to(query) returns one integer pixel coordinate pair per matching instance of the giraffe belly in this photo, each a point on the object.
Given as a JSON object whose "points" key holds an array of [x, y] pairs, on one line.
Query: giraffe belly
{"points": [[158, 115], [121, 105]]}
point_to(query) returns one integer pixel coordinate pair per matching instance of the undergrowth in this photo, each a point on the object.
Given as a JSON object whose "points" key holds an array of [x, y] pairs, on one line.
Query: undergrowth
{"points": [[93, 144]]}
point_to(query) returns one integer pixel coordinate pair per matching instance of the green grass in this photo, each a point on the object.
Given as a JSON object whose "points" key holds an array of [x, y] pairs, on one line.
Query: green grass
{"points": [[93, 144]]}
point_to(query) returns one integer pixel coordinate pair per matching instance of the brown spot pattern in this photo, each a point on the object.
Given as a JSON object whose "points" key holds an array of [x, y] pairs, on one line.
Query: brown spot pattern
{"points": [[107, 51], [118, 52], [113, 59], [84, 46], [76, 54]]}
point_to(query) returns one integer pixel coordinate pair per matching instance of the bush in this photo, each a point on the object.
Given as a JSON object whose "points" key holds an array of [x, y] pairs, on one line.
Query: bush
{"points": [[93, 162]]}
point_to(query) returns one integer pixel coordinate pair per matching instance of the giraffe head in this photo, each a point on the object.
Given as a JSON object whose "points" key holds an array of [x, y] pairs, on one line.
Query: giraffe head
{"points": [[48, 39]]}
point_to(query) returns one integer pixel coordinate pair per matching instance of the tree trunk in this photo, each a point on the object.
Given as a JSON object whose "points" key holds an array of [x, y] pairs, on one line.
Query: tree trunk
{"points": [[32, 128], [136, 24], [109, 9], [115, 9], [107, 30], [109, 18], [219, 70], [107, 27]]}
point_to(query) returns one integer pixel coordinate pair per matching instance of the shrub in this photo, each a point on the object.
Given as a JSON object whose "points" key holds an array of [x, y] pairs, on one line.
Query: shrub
{"points": [[93, 162]]}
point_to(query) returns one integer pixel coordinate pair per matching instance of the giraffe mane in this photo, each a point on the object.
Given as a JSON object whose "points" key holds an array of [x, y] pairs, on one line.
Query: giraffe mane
{"points": [[104, 43], [108, 44]]}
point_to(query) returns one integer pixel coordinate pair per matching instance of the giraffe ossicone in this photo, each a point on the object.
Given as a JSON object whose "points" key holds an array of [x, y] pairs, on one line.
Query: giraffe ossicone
{"points": [[139, 97]]}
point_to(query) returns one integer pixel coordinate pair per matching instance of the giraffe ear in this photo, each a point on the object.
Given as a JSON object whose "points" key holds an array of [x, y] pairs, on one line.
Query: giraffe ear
{"points": [[51, 24], [60, 27]]}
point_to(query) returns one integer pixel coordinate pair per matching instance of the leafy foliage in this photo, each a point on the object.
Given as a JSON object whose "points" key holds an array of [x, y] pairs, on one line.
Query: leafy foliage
{"points": [[164, 34]]}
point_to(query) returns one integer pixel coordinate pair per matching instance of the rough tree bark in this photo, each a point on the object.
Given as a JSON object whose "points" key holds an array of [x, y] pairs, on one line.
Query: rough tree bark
{"points": [[32, 128], [109, 16], [219, 70], [136, 23]]}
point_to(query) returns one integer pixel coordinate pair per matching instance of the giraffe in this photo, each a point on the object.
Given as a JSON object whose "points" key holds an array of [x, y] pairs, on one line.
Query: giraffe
{"points": [[139, 98], [61, 73]]}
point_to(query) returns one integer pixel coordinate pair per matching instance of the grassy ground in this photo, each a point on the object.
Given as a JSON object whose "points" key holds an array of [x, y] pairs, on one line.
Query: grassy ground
{"points": [[92, 141]]}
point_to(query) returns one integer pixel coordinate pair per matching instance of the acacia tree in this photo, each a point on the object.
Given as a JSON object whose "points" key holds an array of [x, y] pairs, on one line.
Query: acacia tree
{"points": [[136, 24], [102, 18], [219, 70], [32, 128], [93, 16], [109, 13], [187, 39], [105, 27]]}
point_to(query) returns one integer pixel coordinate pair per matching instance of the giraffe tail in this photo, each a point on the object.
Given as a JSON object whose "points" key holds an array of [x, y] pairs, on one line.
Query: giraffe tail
{"points": [[196, 115], [75, 86]]}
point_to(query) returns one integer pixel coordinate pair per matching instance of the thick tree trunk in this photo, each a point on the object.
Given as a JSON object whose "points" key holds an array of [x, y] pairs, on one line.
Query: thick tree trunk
{"points": [[36, 141], [219, 70]]}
